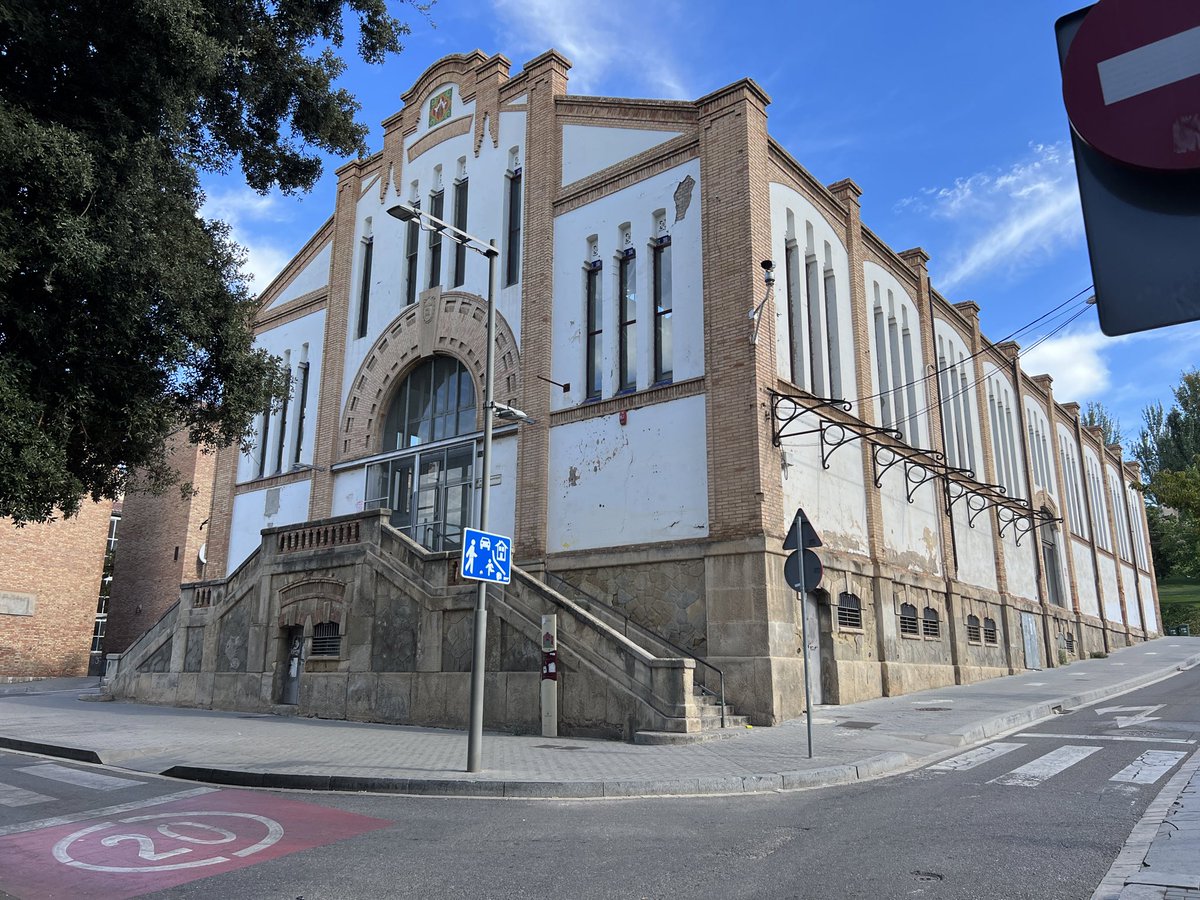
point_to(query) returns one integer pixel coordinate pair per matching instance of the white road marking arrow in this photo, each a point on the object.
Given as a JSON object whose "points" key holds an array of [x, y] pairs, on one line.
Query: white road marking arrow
{"points": [[1143, 714]]}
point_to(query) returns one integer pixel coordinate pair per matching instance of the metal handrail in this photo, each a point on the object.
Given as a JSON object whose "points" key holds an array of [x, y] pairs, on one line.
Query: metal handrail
{"points": [[658, 637]]}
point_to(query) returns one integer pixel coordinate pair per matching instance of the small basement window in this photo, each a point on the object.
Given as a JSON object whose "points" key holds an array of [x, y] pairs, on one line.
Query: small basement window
{"points": [[989, 631], [1069, 641], [973, 632], [326, 641], [931, 627], [908, 620], [849, 611]]}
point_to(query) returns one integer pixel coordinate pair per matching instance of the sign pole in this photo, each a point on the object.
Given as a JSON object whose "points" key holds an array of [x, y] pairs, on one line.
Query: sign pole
{"points": [[800, 594]]}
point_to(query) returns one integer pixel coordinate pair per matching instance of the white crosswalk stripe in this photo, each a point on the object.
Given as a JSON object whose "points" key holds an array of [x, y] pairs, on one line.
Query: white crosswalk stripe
{"points": [[1149, 767], [1034, 773], [973, 758], [79, 777], [15, 796]]}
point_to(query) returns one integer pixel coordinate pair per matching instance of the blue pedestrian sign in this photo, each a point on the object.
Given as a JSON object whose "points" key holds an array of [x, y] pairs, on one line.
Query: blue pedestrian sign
{"points": [[486, 557]]}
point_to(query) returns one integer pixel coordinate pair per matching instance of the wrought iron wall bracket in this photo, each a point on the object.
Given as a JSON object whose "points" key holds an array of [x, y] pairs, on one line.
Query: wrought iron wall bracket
{"points": [[786, 409], [915, 473], [844, 435], [1032, 521]]}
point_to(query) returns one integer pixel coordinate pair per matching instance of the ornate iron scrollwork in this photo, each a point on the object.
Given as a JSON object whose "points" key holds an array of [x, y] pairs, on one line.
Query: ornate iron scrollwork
{"points": [[786, 409], [916, 472], [845, 435]]}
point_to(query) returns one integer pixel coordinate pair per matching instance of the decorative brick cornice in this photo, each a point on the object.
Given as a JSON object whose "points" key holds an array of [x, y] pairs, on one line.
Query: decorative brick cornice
{"points": [[452, 129]]}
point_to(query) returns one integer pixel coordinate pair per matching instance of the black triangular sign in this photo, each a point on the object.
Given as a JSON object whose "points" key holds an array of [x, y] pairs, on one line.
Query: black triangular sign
{"points": [[801, 534]]}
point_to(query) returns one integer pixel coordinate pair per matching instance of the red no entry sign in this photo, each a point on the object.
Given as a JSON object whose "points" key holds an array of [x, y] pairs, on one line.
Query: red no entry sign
{"points": [[1131, 82]]}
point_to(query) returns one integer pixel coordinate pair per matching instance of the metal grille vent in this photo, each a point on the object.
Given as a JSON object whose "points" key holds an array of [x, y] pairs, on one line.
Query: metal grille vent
{"points": [[326, 640]]}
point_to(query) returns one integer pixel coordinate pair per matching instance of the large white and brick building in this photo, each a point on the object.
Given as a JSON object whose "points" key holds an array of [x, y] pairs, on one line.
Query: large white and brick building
{"points": [[972, 526]]}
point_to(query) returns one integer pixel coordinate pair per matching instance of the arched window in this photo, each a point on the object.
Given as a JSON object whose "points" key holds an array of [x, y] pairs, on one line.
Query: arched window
{"points": [[435, 402], [931, 626], [973, 634], [989, 632], [908, 620], [849, 611]]}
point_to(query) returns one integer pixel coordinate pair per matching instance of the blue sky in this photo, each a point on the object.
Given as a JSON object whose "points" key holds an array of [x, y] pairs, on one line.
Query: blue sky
{"points": [[948, 115]]}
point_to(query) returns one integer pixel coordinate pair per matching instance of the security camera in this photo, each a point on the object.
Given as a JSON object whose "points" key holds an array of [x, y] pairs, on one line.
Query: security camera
{"points": [[768, 268]]}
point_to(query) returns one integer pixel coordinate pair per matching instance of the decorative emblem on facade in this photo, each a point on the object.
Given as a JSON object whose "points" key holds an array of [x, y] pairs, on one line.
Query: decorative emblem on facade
{"points": [[440, 107]]}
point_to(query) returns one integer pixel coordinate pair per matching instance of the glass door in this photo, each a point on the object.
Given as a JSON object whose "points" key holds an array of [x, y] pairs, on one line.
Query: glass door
{"points": [[430, 493]]}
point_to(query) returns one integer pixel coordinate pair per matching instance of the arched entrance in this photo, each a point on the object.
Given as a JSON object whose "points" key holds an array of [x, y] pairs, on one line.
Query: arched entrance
{"points": [[429, 484]]}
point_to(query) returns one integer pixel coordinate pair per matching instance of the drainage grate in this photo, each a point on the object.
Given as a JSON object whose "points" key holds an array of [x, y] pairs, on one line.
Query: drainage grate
{"points": [[862, 725], [927, 876], [556, 747], [932, 709]]}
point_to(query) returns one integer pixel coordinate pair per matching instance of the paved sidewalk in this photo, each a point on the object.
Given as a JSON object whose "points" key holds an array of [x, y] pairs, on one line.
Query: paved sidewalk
{"points": [[852, 742]]}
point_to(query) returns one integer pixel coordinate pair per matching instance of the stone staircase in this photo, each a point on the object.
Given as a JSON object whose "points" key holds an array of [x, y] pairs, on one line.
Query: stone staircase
{"points": [[716, 721]]}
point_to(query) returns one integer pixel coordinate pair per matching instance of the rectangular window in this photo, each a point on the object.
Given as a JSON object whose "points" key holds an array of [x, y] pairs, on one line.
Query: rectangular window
{"points": [[663, 366], [437, 202], [595, 330], [303, 376], [512, 259], [460, 222], [325, 640], [627, 324], [364, 293], [410, 255]]}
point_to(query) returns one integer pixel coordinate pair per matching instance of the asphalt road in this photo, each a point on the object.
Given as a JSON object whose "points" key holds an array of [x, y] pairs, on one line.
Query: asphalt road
{"points": [[1038, 814]]}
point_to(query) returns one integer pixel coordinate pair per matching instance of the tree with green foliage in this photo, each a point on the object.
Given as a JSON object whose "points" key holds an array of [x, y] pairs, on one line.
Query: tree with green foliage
{"points": [[1168, 449], [1096, 414], [124, 316]]}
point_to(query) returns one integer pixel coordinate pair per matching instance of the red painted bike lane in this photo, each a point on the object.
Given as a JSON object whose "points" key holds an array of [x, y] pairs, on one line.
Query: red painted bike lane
{"points": [[162, 846]]}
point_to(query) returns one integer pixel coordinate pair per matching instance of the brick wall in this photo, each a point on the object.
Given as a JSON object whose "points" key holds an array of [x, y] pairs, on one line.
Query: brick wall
{"points": [[158, 545], [49, 586]]}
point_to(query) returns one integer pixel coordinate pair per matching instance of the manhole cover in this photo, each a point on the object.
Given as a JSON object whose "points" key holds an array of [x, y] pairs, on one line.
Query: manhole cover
{"points": [[927, 876], [857, 724], [932, 709]]}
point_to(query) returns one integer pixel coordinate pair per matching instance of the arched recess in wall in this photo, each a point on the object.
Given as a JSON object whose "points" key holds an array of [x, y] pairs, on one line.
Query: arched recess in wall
{"points": [[450, 323]]}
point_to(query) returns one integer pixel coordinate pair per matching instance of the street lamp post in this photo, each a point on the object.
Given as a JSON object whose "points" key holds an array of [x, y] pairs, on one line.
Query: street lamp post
{"points": [[404, 213]]}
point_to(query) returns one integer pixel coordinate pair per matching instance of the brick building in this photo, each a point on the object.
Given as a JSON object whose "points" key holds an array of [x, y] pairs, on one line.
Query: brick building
{"points": [[162, 545], [973, 527], [49, 585]]}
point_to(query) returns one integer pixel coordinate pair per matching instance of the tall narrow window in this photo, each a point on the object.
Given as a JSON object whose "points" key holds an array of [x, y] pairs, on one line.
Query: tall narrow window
{"points": [[437, 202], [595, 329], [512, 258], [364, 293], [627, 326], [663, 366], [881, 366], [264, 436], [791, 267], [303, 376], [410, 255], [833, 356], [816, 353], [460, 222], [282, 440]]}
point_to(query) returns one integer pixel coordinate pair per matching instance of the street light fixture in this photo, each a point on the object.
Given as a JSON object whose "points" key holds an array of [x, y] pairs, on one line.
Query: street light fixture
{"points": [[405, 213]]}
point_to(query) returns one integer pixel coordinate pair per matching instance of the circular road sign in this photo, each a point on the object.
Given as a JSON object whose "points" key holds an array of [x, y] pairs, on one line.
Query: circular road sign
{"points": [[1131, 82]]}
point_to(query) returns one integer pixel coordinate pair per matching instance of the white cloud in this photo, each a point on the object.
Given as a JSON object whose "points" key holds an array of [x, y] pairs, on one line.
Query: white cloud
{"points": [[1076, 362], [598, 41], [251, 217], [1007, 219]]}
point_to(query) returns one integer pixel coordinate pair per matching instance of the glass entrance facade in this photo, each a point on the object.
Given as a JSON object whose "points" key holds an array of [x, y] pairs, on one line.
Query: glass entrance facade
{"points": [[429, 482]]}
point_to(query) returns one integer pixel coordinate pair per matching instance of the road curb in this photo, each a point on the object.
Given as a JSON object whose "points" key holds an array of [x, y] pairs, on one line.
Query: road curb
{"points": [[878, 765]]}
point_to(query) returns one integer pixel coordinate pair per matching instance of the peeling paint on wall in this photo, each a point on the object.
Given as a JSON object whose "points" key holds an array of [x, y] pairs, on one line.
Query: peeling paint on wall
{"points": [[683, 197]]}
